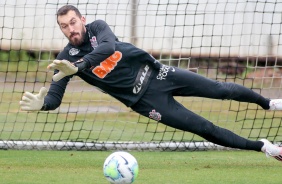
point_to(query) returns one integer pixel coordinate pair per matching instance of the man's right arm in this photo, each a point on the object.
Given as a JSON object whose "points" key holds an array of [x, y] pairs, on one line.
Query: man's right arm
{"points": [[57, 89], [41, 101], [55, 94]]}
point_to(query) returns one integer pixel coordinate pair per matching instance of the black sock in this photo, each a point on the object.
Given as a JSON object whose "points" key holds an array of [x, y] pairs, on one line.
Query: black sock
{"points": [[263, 102], [254, 145]]}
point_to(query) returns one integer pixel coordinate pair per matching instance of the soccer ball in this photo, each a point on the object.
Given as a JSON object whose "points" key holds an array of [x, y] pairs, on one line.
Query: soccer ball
{"points": [[120, 168]]}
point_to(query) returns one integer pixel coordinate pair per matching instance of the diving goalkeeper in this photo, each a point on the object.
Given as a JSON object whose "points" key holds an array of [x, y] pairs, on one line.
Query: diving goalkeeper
{"points": [[139, 81]]}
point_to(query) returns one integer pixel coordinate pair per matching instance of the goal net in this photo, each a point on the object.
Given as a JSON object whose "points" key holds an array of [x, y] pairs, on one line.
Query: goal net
{"points": [[233, 41]]}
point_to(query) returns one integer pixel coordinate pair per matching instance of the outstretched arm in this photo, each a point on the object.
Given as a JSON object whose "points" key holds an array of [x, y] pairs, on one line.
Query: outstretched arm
{"points": [[45, 100], [55, 94]]}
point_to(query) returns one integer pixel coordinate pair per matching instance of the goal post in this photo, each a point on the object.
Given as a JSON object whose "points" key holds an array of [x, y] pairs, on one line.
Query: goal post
{"points": [[232, 41]]}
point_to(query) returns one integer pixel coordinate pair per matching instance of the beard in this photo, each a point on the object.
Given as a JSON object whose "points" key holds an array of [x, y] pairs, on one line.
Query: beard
{"points": [[77, 41]]}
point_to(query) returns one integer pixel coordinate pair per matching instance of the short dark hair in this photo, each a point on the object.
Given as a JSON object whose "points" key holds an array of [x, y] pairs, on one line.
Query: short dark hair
{"points": [[65, 9]]}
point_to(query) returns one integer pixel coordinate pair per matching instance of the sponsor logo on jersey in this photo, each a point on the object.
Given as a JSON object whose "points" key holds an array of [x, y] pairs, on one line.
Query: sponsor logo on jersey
{"points": [[73, 51], [94, 42], [142, 78], [164, 71], [155, 115], [107, 65]]}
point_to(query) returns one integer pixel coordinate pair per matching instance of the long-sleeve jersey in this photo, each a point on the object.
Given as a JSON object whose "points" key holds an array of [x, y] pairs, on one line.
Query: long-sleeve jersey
{"points": [[118, 68]]}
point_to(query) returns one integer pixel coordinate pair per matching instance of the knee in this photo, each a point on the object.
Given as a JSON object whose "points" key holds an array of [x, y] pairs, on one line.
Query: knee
{"points": [[203, 128], [208, 128], [225, 90], [210, 132]]}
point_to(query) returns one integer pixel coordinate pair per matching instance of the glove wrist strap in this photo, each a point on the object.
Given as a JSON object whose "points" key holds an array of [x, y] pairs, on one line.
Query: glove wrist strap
{"points": [[81, 65]]}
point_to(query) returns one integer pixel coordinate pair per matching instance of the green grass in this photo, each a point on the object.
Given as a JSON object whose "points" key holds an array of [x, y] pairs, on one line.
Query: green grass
{"points": [[85, 167]]}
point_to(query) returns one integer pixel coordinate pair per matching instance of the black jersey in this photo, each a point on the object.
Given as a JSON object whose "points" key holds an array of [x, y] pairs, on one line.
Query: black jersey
{"points": [[117, 68]]}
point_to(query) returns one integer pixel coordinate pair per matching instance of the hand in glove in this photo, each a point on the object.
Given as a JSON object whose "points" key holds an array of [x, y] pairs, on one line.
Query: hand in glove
{"points": [[31, 102], [65, 68]]}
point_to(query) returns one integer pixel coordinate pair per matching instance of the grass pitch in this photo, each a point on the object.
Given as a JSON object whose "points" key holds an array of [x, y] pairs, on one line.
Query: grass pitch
{"points": [[85, 167]]}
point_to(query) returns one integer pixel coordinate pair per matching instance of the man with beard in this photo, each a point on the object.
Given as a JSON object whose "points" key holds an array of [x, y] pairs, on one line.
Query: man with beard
{"points": [[139, 81]]}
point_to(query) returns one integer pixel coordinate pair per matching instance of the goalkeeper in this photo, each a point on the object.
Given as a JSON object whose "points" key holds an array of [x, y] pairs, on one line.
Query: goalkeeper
{"points": [[140, 82]]}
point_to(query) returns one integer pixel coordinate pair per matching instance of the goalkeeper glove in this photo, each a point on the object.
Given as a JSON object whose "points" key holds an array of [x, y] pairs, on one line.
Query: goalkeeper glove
{"points": [[65, 68], [31, 102]]}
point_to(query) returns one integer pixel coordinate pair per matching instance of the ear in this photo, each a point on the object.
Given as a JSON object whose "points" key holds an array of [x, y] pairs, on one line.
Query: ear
{"points": [[83, 19]]}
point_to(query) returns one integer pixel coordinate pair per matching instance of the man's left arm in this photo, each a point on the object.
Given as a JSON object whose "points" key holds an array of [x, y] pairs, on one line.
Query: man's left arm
{"points": [[106, 45]]}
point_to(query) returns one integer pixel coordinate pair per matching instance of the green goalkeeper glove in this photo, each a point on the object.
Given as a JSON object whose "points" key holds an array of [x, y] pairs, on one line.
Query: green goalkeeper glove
{"points": [[65, 68], [31, 102]]}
